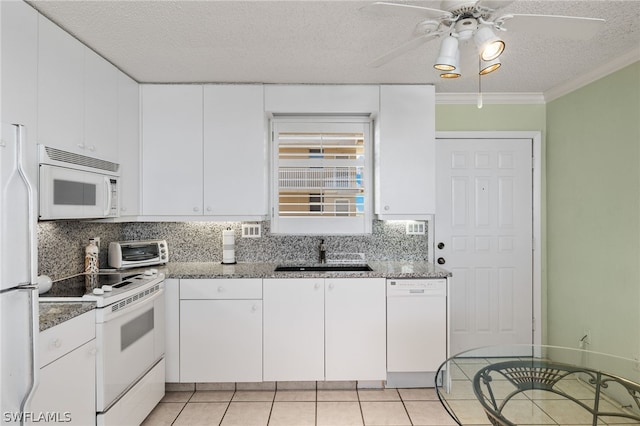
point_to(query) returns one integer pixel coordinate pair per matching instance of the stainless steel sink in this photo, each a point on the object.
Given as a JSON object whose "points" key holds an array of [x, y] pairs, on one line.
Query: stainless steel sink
{"points": [[323, 268]]}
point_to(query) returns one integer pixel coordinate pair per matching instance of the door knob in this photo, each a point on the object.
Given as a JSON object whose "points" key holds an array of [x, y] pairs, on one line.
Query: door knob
{"points": [[440, 246], [441, 261]]}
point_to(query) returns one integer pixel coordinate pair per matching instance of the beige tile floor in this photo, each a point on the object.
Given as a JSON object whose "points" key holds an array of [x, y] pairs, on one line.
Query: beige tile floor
{"points": [[364, 407], [346, 407]]}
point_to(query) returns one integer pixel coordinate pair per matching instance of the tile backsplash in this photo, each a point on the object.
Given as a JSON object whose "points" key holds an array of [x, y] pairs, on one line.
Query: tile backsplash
{"points": [[61, 243]]}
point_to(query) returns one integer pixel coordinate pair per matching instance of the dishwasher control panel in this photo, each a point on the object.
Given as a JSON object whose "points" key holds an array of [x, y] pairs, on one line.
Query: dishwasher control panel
{"points": [[417, 287]]}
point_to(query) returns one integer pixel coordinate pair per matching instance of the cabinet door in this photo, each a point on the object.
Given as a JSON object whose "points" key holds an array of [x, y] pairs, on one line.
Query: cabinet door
{"points": [[19, 75], [221, 341], [100, 107], [405, 177], [129, 145], [172, 150], [293, 329], [68, 388], [235, 151], [60, 88], [355, 333]]}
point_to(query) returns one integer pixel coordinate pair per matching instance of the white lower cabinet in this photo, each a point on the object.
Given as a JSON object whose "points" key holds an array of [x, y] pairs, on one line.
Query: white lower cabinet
{"points": [[293, 329], [355, 323], [66, 393], [324, 329], [221, 330]]}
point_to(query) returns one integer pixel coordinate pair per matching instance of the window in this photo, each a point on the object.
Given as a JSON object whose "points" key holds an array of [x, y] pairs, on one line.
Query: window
{"points": [[321, 175]]}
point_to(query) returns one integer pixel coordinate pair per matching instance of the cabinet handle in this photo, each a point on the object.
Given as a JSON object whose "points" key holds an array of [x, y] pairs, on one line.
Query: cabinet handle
{"points": [[386, 208], [220, 289], [81, 145], [93, 351], [196, 209], [316, 286], [254, 308], [57, 343], [331, 286], [209, 209], [92, 148]]}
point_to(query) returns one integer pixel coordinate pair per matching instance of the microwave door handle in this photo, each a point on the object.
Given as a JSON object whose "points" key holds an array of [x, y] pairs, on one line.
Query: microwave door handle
{"points": [[107, 188]]}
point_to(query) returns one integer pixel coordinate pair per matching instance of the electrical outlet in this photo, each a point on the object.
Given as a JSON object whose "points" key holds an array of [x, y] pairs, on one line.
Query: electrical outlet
{"points": [[585, 339], [415, 228], [251, 230], [636, 363]]}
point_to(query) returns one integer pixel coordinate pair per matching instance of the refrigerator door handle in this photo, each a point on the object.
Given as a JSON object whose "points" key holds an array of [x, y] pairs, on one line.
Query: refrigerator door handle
{"points": [[35, 358], [31, 197], [32, 287]]}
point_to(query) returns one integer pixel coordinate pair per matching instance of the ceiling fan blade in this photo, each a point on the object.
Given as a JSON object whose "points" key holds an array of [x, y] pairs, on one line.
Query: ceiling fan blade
{"points": [[398, 9], [403, 48], [571, 27]]}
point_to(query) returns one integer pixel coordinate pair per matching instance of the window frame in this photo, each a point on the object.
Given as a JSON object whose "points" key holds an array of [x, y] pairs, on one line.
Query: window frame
{"points": [[325, 225]]}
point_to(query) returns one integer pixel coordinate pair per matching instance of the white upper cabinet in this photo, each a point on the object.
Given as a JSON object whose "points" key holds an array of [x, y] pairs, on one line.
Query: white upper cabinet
{"points": [[129, 145], [100, 107], [235, 151], [19, 84], [60, 88], [405, 174], [172, 162], [204, 151], [321, 99], [77, 95]]}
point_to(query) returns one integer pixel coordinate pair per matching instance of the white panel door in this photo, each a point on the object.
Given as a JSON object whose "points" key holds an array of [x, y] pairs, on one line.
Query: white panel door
{"points": [[293, 315], [100, 107], [220, 341], [235, 150], [355, 329], [172, 149], [483, 233]]}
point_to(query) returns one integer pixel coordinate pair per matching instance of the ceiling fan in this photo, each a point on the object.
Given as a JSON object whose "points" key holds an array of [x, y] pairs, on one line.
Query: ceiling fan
{"points": [[462, 20]]}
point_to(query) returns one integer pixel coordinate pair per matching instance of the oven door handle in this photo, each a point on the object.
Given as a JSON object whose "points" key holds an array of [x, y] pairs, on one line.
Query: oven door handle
{"points": [[106, 314]]}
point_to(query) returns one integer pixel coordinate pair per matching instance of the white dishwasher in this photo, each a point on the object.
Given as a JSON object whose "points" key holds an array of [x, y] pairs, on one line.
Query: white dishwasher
{"points": [[416, 327]]}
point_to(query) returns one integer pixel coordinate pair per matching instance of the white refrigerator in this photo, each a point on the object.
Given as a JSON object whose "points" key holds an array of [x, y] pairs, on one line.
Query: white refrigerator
{"points": [[19, 325]]}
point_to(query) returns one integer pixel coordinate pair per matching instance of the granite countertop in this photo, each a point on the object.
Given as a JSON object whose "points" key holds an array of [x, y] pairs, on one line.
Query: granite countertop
{"points": [[54, 313], [381, 269]]}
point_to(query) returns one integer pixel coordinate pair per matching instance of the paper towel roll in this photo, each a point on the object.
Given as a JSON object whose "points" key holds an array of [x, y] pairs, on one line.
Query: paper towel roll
{"points": [[228, 246]]}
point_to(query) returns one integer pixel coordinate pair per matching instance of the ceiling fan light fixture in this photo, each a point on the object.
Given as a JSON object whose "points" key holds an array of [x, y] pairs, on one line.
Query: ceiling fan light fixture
{"points": [[489, 45], [451, 74], [487, 67], [449, 56]]}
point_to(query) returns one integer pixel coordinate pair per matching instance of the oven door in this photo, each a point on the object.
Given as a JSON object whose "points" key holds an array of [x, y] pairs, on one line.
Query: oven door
{"points": [[130, 341], [76, 194]]}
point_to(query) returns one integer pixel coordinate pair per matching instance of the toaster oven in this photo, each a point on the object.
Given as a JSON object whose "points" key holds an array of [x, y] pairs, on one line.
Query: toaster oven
{"points": [[136, 254]]}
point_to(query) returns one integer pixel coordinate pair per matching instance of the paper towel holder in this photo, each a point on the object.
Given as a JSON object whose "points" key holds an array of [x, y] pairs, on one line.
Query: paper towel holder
{"points": [[228, 247]]}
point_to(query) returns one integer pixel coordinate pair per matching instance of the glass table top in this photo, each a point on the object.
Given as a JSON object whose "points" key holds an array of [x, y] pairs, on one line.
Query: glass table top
{"points": [[539, 385]]}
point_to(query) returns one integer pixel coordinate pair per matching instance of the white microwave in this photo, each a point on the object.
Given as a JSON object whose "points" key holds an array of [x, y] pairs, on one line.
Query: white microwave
{"points": [[74, 186]]}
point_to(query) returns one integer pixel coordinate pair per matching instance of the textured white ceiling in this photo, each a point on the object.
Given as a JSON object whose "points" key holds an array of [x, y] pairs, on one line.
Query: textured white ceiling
{"points": [[328, 42]]}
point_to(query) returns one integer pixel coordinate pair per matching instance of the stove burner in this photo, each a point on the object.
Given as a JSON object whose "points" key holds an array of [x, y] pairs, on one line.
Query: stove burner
{"points": [[79, 285]]}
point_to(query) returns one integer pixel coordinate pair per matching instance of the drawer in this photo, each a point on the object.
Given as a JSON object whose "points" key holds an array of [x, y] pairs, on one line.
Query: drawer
{"points": [[63, 338], [241, 288]]}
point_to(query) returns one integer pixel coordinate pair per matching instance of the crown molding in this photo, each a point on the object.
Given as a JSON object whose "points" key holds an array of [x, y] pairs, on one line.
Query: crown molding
{"points": [[489, 98], [602, 71]]}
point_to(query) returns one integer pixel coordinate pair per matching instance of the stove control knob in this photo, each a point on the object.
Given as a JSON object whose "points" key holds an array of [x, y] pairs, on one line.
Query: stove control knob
{"points": [[98, 291], [148, 273], [153, 271], [107, 288]]}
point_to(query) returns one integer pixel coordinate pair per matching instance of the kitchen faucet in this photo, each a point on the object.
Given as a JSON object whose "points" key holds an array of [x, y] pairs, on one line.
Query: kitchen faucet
{"points": [[323, 252]]}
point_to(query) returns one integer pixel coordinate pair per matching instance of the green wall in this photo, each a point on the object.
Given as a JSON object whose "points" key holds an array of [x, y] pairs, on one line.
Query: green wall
{"points": [[593, 215]]}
